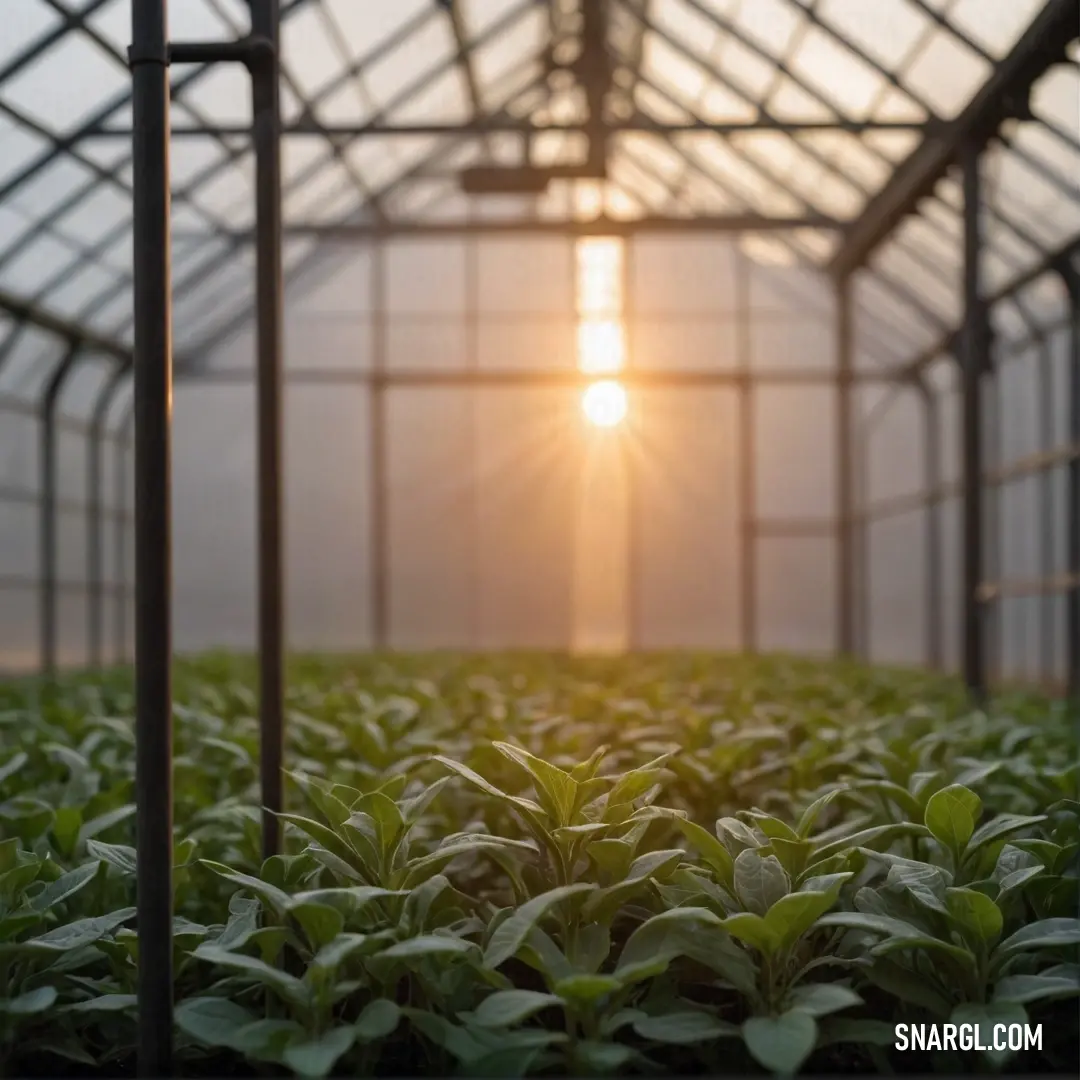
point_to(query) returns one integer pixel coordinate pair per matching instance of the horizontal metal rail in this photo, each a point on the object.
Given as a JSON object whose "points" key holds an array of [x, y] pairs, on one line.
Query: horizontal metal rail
{"points": [[526, 378], [498, 126], [18, 582], [1019, 469], [1018, 588], [19, 496]]}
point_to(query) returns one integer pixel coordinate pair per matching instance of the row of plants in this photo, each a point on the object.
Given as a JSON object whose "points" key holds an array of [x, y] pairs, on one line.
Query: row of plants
{"points": [[532, 865]]}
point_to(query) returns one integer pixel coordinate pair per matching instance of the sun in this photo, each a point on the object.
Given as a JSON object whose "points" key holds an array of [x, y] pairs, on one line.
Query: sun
{"points": [[605, 404]]}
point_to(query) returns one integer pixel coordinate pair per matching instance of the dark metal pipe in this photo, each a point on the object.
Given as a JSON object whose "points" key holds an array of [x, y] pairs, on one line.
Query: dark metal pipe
{"points": [[1072, 599], [95, 570], [747, 476], [48, 511], [123, 457], [1045, 515], [153, 533], [932, 464], [845, 465], [187, 53], [634, 548], [379, 571], [974, 364], [269, 286]]}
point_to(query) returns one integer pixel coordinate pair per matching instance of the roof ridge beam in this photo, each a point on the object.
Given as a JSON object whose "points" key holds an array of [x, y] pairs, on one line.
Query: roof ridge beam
{"points": [[1003, 96]]}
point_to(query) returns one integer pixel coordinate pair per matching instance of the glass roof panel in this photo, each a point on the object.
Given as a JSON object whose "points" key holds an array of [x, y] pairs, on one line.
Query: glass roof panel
{"points": [[65, 226]]}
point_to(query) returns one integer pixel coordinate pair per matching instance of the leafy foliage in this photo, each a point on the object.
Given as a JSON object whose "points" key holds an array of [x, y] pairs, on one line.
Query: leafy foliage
{"points": [[529, 865]]}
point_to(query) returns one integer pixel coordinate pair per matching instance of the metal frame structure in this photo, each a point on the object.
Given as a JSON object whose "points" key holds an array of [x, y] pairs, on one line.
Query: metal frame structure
{"points": [[142, 344]]}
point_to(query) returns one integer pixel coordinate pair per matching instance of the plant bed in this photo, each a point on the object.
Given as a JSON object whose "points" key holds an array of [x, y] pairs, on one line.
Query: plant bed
{"points": [[532, 865]]}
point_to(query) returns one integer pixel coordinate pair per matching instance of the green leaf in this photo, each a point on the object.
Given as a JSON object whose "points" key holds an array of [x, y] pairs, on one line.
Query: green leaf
{"points": [[104, 822], [64, 887], [121, 856], [951, 814], [67, 821], [810, 815], [873, 838], [512, 932], [793, 915], [287, 986], [532, 812], [378, 1019], [212, 1021], [658, 940], [586, 989], [684, 1028], [334, 953], [81, 932], [316, 1057], [781, 1044], [759, 882], [1045, 934], [898, 934], [715, 855], [908, 986], [276, 899], [426, 945], [821, 999], [1050, 985], [13, 765], [505, 1008], [754, 930], [976, 913], [105, 1003], [320, 922], [31, 1003], [556, 790], [1003, 825]]}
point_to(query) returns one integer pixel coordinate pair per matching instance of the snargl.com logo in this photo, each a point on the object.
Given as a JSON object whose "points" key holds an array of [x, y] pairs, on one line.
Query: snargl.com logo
{"points": [[998, 1037]]}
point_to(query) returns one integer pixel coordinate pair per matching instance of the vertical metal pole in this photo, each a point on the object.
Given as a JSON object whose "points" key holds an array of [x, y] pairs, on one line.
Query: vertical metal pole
{"points": [[845, 475], [973, 365], [48, 513], [993, 566], [747, 480], [123, 445], [265, 20], [94, 575], [472, 513], [1045, 515], [935, 658], [634, 629], [153, 532], [1072, 597], [379, 570], [95, 570]]}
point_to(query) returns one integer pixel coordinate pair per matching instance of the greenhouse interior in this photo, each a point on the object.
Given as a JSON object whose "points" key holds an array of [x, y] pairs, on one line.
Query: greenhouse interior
{"points": [[539, 537]]}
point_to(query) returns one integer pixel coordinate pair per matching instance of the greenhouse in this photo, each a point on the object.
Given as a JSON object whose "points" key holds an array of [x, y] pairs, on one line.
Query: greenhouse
{"points": [[539, 537]]}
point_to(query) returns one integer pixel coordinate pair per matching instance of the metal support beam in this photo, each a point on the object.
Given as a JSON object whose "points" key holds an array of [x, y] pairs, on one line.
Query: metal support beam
{"points": [[600, 226], [747, 477], [153, 533], [269, 289], [1004, 95], [24, 311], [974, 365], [494, 126], [1072, 513], [123, 462], [845, 466], [95, 569], [48, 511], [379, 495], [932, 480]]}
